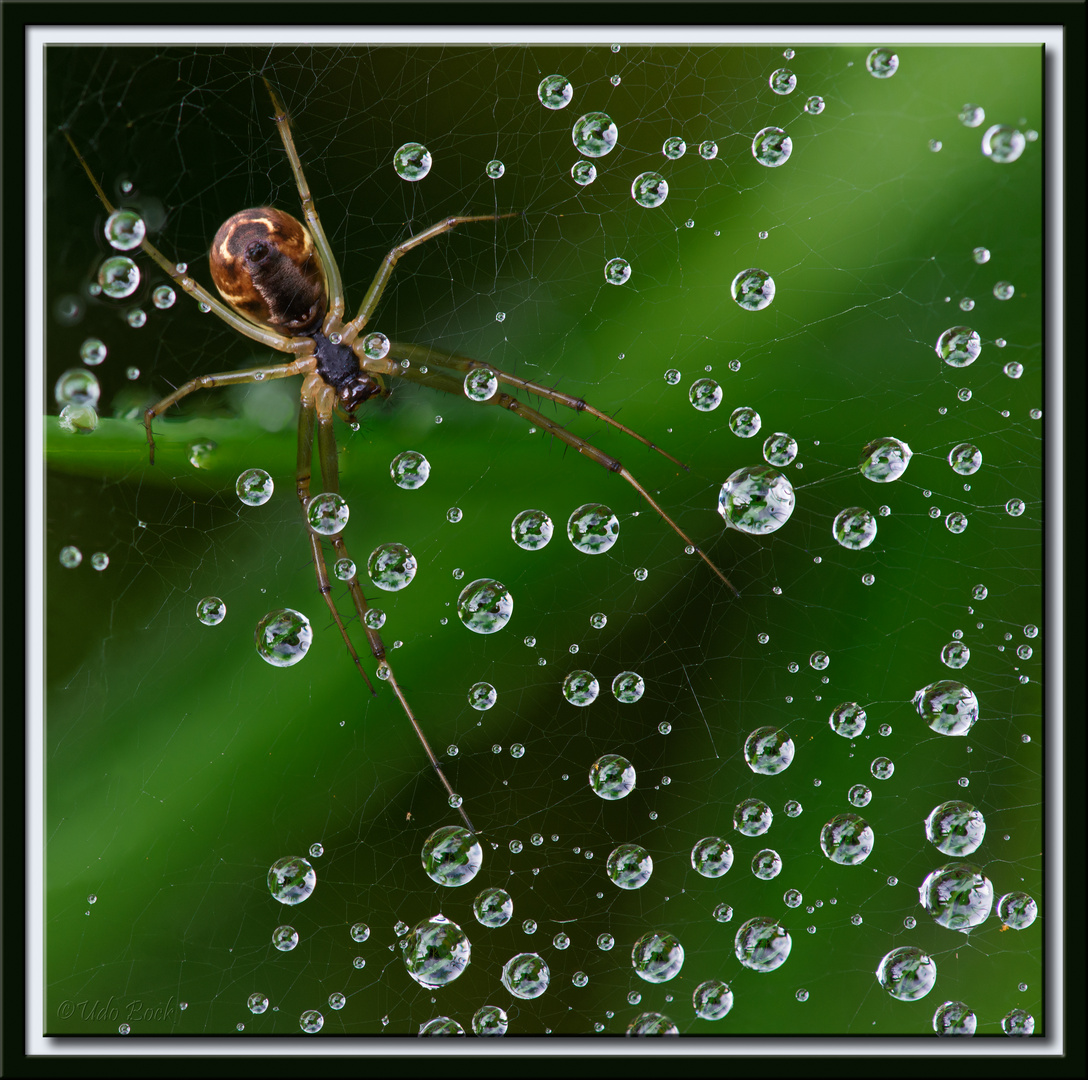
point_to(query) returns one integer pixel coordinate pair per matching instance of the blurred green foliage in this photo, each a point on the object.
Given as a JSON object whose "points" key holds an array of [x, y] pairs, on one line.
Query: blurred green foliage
{"points": [[179, 766]]}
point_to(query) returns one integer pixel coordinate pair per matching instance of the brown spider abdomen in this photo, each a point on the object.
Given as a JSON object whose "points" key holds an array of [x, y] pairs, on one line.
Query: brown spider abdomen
{"points": [[265, 266]]}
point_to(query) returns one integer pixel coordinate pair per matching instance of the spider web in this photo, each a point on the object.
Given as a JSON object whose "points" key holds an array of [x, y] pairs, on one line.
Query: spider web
{"points": [[180, 767]]}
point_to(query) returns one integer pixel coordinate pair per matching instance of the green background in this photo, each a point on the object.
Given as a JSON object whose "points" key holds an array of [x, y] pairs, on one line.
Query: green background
{"points": [[179, 766]]}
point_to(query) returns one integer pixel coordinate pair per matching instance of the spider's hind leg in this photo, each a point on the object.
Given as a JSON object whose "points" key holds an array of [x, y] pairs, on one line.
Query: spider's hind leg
{"points": [[317, 404], [441, 380]]}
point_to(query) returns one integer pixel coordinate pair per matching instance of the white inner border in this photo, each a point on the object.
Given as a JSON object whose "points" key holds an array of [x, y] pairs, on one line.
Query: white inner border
{"points": [[37, 38]]}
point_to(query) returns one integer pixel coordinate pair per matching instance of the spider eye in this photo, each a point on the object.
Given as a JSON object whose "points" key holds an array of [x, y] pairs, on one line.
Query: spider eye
{"points": [[264, 264]]}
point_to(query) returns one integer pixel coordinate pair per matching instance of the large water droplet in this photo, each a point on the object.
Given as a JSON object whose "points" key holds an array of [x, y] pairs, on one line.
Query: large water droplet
{"points": [[283, 637], [485, 606]]}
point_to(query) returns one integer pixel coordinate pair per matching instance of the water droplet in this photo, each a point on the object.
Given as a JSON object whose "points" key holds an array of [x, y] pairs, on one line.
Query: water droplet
{"points": [[532, 530], [452, 856], [955, 655], [972, 115], [848, 839], [779, 449], [657, 957], [327, 514], [772, 147], [555, 92], [629, 866], [70, 557], [674, 147], [436, 952], [78, 419], [594, 134], [391, 567], [712, 999], [254, 487], [291, 880], [761, 944], [617, 271], [125, 230], [481, 384], [882, 768], [711, 857], [884, 460], [495, 169], [753, 289], [1003, 144], [782, 81], [485, 606], [649, 189], [745, 422], [202, 454], [768, 751], [118, 277], [593, 528], [285, 938], [948, 707], [412, 161], [956, 522], [409, 470], [376, 346], [766, 864], [526, 976], [752, 817], [756, 500], [482, 695], [628, 687], [283, 637], [211, 611], [612, 777], [77, 386], [854, 528], [882, 63], [493, 907], [957, 896], [705, 395], [92, 351], [580, 688], [583, 172]]}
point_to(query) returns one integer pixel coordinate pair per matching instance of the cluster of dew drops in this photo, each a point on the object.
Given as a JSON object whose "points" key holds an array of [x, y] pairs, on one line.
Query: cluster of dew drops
{"points": [[436, 951]]}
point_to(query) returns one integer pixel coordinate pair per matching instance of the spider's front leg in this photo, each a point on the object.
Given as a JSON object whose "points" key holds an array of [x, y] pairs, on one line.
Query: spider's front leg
{"points": [[223, 378]]}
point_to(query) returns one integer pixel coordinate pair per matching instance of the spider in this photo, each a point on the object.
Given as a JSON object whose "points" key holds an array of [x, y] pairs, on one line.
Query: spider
{"points": [[281, 287]]}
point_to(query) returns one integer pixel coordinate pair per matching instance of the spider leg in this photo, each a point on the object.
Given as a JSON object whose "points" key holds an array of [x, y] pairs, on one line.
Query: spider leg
{"points": [[179, 275], [330, 479], [450, 385], [333, 282], [223, 378], [428, 355], [385, 271], [302, 486]]}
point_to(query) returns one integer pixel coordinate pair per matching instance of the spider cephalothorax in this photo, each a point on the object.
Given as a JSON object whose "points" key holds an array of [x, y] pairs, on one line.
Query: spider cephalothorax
{"points": [[264, 264], [339, 366]]}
